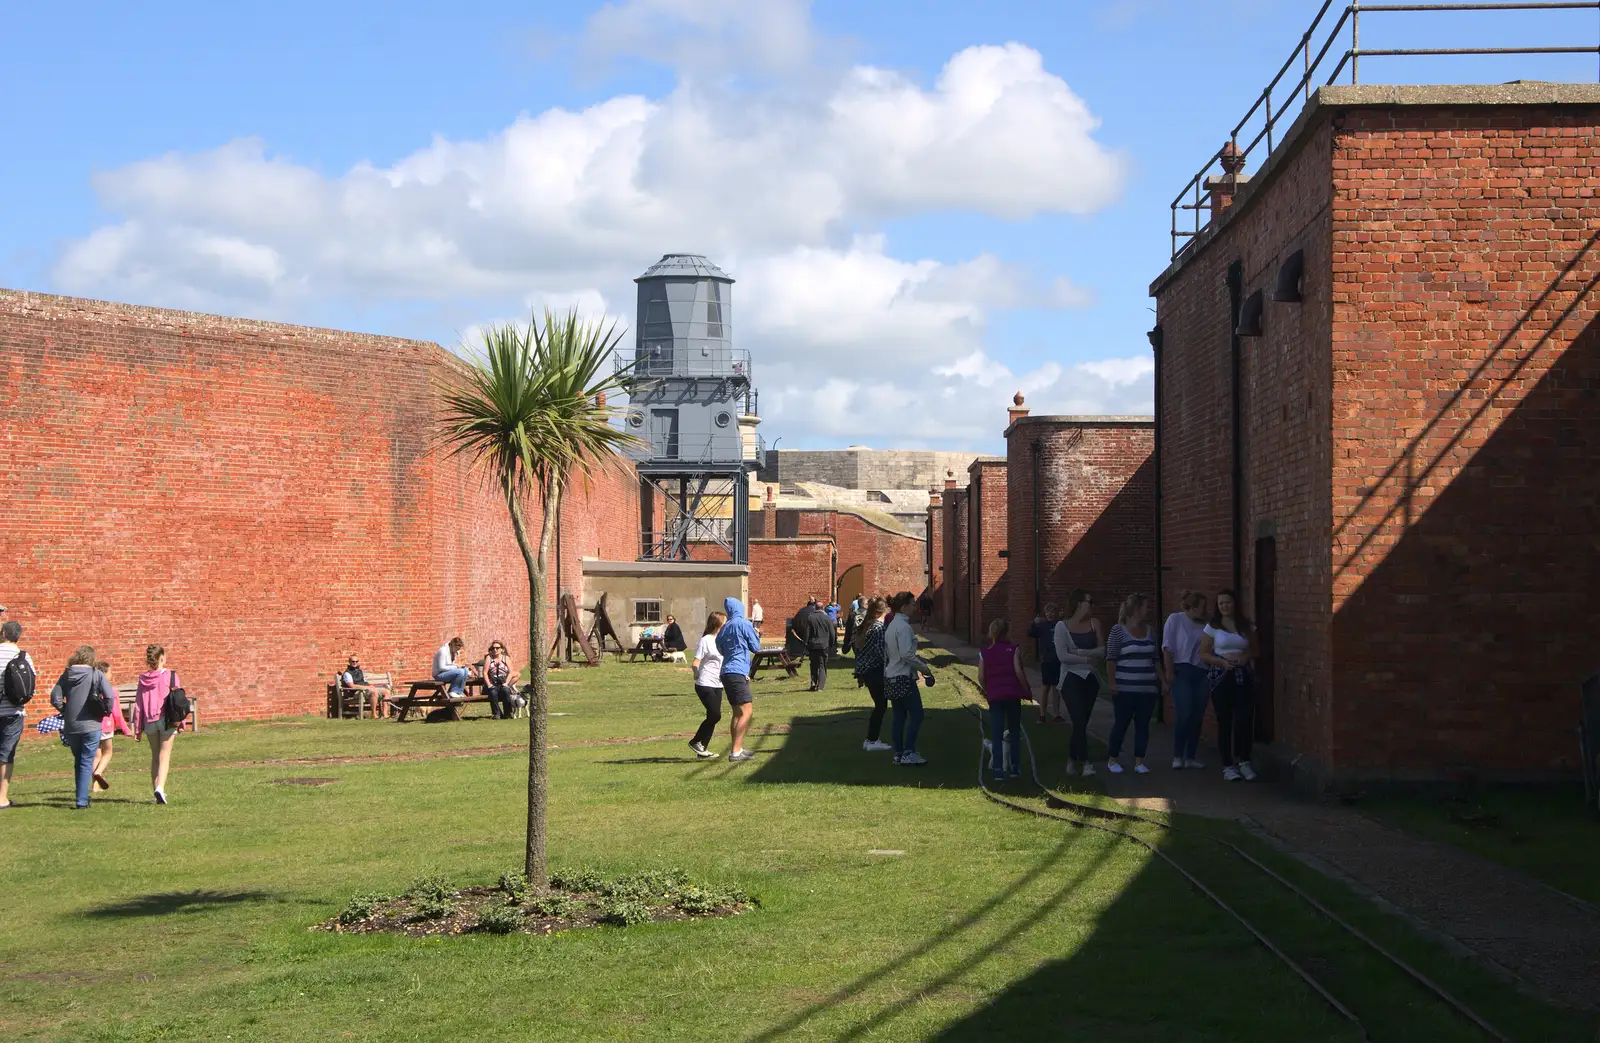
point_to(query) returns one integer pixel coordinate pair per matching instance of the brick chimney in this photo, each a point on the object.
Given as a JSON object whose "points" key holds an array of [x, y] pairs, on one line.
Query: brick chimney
{"points": [[949, 479], [769, 516], [1017, 410], [935, 498], [1223, 187]]}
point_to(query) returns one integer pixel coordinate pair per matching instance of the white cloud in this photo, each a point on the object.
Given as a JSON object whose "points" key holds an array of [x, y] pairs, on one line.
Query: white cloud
{"points": [[780, 184]]}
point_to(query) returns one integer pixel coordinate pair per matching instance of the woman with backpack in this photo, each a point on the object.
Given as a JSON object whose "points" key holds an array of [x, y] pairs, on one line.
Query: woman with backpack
{"points": [[17, 678], [110, 725], [867, 642], [150, 717], [83, 695]]}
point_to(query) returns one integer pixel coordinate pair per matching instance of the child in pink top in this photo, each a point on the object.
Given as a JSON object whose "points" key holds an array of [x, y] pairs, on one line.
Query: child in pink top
{"points": [[1004, 686], [110, 725], [154, 686]]}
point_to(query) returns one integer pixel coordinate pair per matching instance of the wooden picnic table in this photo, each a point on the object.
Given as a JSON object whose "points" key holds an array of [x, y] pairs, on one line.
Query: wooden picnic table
{"points": [[129, 690], [773, 656], [433, 693]]}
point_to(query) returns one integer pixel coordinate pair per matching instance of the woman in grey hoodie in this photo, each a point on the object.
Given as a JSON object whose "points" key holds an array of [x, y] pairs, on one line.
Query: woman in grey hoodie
{"points": [[83, 695]]}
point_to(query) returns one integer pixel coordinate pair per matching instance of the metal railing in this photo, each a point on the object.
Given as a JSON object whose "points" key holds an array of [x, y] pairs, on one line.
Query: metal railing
{"points": [[676, 359], [1232, 157]]}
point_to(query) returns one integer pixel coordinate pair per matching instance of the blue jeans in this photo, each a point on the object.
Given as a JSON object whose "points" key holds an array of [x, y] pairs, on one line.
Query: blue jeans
{"points": [[457, 676], [907, 721], [1190, 691], [83, 746], [1005, 716], [1134, 708]]}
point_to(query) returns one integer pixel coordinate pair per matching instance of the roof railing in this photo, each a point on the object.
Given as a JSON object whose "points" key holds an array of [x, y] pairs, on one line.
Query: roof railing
{"points": [[1311, 59]]}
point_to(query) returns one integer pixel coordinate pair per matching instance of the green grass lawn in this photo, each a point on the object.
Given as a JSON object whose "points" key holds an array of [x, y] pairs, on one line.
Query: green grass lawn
{"points": [[1543, 831], [136, 922]]}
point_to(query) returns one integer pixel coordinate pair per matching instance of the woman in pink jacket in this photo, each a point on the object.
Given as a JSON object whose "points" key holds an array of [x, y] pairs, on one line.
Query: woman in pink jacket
{"points": [[110, 725], [154, 684]]}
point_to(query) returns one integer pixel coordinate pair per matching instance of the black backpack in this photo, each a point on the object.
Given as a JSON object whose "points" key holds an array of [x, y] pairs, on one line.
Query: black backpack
{"points": [[19, 680], [175, 710]]}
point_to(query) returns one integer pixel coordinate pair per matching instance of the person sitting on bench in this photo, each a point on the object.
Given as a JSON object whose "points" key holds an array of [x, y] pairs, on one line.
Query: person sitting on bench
{"points": [[672, 637], [354, 678], [497, 674], [445, 667]]}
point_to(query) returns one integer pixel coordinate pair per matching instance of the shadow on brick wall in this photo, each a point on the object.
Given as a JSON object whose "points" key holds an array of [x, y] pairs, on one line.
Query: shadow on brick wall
{"points": [[1115, 556], [1464, 646]]}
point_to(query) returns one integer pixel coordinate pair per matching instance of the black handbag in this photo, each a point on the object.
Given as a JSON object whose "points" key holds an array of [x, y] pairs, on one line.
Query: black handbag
{"points": [[94, 704]]}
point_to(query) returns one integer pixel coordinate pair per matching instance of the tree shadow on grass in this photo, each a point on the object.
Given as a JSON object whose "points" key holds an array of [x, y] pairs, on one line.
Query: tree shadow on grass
{"points": [[167, 903], [826, 748]]}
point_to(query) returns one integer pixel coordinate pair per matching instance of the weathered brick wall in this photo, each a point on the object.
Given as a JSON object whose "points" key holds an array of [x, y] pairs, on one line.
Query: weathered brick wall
{"points": [[934, 568], [988, 535], [958, 566], [1466, 364], [784, 572], [260, 498], [1096, 517], [945, 606], [1419, 433]]}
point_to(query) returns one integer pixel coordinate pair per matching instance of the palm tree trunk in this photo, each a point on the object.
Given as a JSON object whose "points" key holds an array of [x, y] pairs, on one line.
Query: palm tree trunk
{"points": [[536, 866]]}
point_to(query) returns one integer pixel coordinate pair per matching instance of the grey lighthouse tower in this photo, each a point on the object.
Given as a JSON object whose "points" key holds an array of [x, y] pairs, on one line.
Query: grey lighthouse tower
{"points": [[691, 397]]}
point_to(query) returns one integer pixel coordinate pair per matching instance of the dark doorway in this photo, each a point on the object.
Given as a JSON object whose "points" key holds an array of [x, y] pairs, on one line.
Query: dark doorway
{"points": [[1266, 687], [664, 434]]}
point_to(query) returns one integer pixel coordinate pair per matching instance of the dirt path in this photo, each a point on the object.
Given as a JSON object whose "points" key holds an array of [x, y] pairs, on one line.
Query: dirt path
{"points": [[1539, 938]]}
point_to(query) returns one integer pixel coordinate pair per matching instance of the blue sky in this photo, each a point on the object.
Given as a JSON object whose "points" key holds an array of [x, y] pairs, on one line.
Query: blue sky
{"points": [[927, 205]]}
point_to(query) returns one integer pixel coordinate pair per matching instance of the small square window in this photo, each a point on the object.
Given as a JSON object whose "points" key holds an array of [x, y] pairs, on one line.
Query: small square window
{"points": [[647, 610]]}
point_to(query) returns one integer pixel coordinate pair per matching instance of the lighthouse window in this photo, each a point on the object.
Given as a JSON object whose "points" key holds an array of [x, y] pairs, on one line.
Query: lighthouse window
{"points": [[713, 310]]}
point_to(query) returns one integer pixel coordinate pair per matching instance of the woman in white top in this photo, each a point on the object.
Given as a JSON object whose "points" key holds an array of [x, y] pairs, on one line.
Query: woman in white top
{"points": [[1185, 676], [1081, 646], [707, 670], [445, 667], [901, 665], [1228, 649]]}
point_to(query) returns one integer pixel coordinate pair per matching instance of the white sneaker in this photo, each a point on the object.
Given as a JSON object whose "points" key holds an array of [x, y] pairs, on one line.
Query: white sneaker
{"points": [[988, 745], [1141, 769], [1114, 767], [1088, 769], [1230, 774], [1192, 763], [1177, 764], [911, 758], [875, 745], [1247, 771], [1072, 767], [740, 757], [161, 798]]}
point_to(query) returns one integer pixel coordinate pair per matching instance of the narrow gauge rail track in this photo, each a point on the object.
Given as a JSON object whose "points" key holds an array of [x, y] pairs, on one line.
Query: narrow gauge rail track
{"points": [[1089, 816]]}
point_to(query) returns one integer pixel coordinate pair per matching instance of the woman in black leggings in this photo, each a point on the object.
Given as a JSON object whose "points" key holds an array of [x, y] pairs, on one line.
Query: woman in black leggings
{"points": [[1080, 645], [867, 643]]}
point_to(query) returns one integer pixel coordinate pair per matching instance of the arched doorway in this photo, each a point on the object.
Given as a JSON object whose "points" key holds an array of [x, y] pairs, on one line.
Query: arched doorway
{"points": [[849, 586]]}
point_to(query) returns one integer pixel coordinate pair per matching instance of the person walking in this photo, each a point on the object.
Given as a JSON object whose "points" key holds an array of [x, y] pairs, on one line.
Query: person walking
{"points": [[707, 671], [497, 675], [1004, 685], [1185, 676], [1080, 645], [1227, 647], [1043, 632], [17, 679], [852, 621], [110, 725], [738, 642], [757, 616], [816, 631], [900, 670], [82, 695], [149, 717], [1133, 677], [447, 668], [869, 668]]}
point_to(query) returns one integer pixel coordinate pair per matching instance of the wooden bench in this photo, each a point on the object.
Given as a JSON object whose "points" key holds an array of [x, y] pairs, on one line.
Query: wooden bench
{"points": [[129, 691], [432, 693], [773, 657], [342, 700]]}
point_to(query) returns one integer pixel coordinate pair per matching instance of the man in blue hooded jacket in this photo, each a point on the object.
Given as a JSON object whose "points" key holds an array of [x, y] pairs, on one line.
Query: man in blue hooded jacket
{"points": [[738, 643]]}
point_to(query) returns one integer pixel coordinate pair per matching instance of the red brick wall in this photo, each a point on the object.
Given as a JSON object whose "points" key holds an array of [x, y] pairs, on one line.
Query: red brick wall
{"points": [[1466, 363], [891, 561], [945, 606], [935, 555], [988, 536], [259, 498], [958, 574], [1420, 440], [1096, 516], [783, 573]]}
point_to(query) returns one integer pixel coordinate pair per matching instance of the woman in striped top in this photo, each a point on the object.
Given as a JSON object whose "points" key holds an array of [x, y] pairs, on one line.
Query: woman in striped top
{"points": [[1132, 655]]}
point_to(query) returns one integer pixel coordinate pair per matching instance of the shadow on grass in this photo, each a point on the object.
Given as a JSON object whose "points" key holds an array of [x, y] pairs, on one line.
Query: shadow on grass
{"points": [[826, 748], [167, 903]]}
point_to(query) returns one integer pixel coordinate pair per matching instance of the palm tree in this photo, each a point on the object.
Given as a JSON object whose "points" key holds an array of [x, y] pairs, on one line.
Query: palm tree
{"points": [[530, 409]]}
